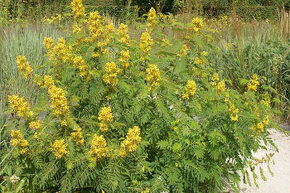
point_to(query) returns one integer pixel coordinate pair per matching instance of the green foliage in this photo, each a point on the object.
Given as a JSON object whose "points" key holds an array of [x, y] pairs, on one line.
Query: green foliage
{"points": [[188, 144]]}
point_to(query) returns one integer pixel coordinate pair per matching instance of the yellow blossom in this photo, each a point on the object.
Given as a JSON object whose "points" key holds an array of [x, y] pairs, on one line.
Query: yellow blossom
{"points": [[214, 79], [266, 120], [198, 61], [78, 9], [77, 136], [253, 83], [58, 101], [131, 142], [110, 77], [221, 86], [145, 44], [152, 19], [183, 51], [98, 146], [48, 81], [197, 23], [48, 43], [23, 66], [35, 125], [123, 34], [153, 76], [124, 58], [20, 106], [105, 117], [190, 89], [233, 112], [82, 66], [164, 42], [59, 148], [204, 53]]}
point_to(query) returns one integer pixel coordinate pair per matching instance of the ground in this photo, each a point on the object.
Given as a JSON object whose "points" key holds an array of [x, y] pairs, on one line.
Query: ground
{"points": [[280, 182]]}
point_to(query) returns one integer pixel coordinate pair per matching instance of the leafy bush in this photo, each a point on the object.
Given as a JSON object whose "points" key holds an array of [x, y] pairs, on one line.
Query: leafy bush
{"points": [[117, 115], [269, 58]]}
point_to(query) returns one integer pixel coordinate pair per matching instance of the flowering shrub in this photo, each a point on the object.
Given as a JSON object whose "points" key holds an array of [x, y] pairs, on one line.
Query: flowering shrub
{"points": [[120, 115]]}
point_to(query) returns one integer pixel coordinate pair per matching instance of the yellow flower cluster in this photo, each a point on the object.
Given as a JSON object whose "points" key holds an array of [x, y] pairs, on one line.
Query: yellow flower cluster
{"points": [[183, 51], [152, 19], [221, 86], [17, 139], [48, 81], [20, 106], [98, 147], [82, 66], [59, 148], [145, 44], [266, 101], [62, 51], [198, 61], [253, 83], [153, 76], [95, 25], [197, 24], [105, 117], [35, 125], [124, 58], [110, 77], [165, 42], [190, 89], [131, 142], [214, 79], [23, 66], [53, 19], [77, 136], [233, 112], [78, 9], [57, 96], [48, 44], [123, 34]]}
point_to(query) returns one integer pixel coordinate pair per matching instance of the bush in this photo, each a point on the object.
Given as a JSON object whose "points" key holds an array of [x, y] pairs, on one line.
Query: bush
{"points": [[116, 115]]}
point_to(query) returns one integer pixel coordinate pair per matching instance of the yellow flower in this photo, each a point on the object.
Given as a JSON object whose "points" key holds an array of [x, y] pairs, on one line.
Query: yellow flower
{"points": [[48, 81], [77, 136], [105, 117], [48, 43], [23, 66], [253, 83], [260, 126], [197, 23], [131, 142], [152, 19], [145, 44], [190, 89], [58, 101], [35, 125], [266, 120], [78, 9], [164, 42], [98, 146], [59, 148], [214, 79], [20, 106], [153, 76], [124, 58], [183, 51], [17, 139], [81, 65], [198, 61], [221, 86], [123, 34], [233, 112], [204, 53], [110, 77]]}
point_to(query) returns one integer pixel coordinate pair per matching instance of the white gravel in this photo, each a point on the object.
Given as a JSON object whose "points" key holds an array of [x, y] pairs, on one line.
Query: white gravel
{"points": [[280, 182]]}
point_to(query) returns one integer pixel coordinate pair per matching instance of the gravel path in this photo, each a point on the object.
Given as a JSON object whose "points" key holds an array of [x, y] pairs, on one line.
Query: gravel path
{"points": [[280, 182]]}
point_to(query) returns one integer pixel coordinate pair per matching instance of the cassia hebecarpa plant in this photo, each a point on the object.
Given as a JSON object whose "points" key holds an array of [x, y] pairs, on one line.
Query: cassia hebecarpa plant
{"points": [[118, 114]]}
